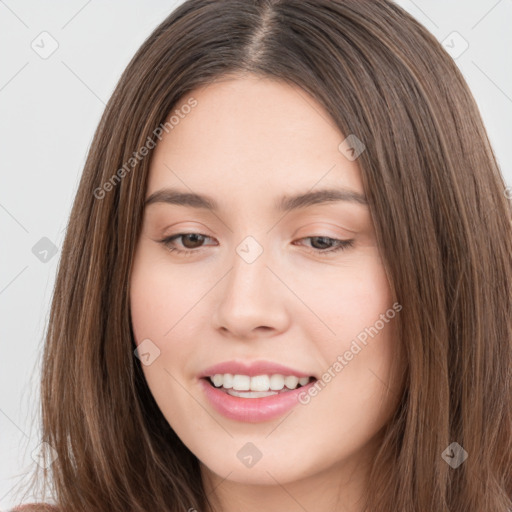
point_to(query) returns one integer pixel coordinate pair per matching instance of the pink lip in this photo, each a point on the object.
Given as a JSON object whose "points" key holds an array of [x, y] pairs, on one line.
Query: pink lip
{"points": [[252, 410], [251, 369]]}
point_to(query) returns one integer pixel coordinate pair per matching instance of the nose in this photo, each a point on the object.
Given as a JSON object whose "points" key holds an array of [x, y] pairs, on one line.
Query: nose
{"points": [[252, 301]]}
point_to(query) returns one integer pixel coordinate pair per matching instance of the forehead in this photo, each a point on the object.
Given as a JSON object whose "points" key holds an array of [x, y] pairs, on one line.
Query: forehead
{"points": [[249, 134]]}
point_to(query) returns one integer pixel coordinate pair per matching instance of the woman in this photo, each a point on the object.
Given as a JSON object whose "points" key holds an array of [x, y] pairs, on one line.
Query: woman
{"points": [[286, 277]]}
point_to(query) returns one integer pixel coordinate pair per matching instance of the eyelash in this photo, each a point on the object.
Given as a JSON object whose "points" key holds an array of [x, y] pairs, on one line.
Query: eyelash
{"points": [[342, 245]]}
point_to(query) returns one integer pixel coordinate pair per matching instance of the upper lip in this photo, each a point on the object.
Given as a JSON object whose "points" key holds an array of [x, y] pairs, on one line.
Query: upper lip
{"points": [[251, 369]]}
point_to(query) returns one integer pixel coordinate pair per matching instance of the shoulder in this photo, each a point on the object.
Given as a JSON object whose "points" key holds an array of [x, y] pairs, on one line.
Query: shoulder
{"points": [[36, 507]]}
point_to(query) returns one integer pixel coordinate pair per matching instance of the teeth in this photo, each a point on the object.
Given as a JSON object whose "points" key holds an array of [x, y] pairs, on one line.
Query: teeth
{"points": [[258, 383], [228, 381], [277, 382], [291, 382], [241, 382], [303, 381], [251, 394], [217, 380]]}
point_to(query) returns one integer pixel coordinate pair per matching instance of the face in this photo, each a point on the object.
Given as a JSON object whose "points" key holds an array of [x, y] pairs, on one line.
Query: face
{"points": [[270, 289]]}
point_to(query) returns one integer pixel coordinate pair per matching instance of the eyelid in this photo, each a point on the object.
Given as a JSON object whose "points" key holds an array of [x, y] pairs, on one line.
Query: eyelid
{"points": [[320, 227]]}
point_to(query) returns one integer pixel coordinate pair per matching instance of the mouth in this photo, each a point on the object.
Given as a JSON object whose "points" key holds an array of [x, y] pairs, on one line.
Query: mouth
{"points": [[255, 398], [259, 386]]}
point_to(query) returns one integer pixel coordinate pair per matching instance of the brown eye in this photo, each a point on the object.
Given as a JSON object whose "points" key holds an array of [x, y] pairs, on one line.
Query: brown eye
{"points": [[189, 241], [325, 242], [192, 240], [339, 245]]}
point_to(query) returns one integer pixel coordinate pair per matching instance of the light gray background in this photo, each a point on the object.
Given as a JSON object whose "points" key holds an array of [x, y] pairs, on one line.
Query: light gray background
{"points": [[50, 108]]}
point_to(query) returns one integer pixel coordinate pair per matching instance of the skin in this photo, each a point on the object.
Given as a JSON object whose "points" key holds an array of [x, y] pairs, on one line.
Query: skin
{"points": [[247, 142]]}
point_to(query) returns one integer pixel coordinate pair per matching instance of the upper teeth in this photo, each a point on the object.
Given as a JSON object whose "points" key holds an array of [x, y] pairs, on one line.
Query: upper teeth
{"points": [[257, 383]]}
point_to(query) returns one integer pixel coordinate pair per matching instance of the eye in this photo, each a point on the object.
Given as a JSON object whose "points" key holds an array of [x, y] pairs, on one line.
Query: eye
{"points": [[339, 245], [193, 244]]}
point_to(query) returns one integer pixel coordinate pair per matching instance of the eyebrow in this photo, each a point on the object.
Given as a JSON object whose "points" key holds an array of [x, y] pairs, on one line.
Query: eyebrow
{"points": [[284, 204]]}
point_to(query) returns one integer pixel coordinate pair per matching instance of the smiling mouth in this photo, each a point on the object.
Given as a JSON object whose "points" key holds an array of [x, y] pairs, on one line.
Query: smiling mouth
{"points": [[260, 386]]}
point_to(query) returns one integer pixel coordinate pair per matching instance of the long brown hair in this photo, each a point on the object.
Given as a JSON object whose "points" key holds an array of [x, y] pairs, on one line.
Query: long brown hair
{"points": [[443, 224]]}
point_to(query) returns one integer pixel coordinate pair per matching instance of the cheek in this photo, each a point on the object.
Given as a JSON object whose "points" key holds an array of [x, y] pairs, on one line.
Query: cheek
{"points": [[164, 309], [359, 356], [160, 296], [349, 299], [156, 310], [149, 306]]}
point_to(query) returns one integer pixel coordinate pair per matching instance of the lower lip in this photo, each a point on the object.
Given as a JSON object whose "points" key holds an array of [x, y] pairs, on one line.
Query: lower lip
{"points": [[252, 410]]}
